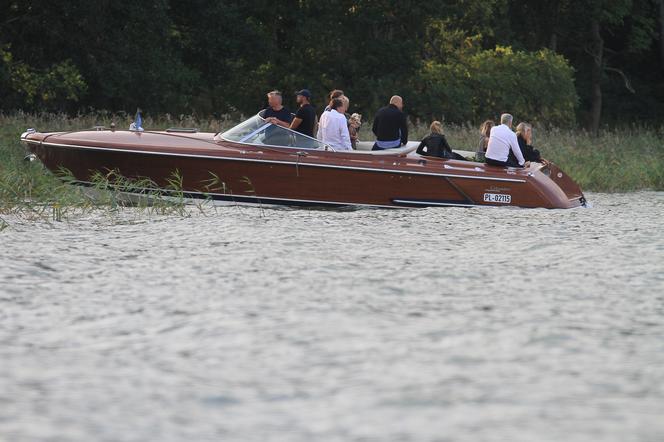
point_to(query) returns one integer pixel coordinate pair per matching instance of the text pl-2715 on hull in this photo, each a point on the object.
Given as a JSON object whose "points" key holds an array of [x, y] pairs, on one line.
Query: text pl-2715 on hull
{"points": [[257, 162]]}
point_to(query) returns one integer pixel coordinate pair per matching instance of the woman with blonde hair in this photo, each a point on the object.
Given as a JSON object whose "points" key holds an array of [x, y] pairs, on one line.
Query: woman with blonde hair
{"points": [[435, 144], [485, 132], [524, 135]]}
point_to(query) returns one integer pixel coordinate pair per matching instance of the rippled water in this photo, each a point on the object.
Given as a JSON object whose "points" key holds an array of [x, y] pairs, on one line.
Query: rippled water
{"points": [[302, 325]]}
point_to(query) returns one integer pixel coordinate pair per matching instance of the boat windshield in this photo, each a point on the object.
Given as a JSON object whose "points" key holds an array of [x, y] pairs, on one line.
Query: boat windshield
{"points": [[258, 131]]}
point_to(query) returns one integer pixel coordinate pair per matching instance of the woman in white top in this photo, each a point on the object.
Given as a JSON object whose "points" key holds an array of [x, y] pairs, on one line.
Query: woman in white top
{"points": [[333, 127]]}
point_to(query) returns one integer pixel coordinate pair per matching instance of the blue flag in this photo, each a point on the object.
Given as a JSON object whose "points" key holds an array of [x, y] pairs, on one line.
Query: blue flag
{"points": [[138, 120]]}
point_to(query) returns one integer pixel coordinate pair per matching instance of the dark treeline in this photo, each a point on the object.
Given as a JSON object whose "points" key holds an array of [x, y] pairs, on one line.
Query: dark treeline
{"points": [[561, 62]]}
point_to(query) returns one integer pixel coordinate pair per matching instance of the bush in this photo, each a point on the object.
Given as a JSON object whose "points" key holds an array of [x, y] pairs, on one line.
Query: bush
{"points": [[533, 86], [47, 89]]}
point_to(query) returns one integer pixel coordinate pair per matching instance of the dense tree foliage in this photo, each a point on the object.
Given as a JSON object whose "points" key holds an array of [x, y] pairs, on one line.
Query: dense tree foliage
{"points": [[553, 61]]}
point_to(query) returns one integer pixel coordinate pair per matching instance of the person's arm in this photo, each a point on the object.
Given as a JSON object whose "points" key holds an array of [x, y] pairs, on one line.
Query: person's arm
{"points": [[281, 123], [374, 129], [344, 135], [420, 148], [514, 145], [404, 129], [277, 122], [319, 132], [297, 120]]}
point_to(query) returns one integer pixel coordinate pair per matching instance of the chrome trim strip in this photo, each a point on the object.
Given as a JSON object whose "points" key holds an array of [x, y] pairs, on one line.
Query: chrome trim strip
{"points": [[299, 164], [434, 203]]}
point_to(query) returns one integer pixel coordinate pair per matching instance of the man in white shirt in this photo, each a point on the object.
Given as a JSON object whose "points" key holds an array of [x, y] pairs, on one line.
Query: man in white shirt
{"points": [[502, 142], [333, 127]]}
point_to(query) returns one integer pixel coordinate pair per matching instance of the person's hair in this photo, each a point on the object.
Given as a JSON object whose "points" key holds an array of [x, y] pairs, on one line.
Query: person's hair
{"points": [[396, 99], [436, 127], [344, 99], [335, 94], [506, 119], [522, 128], [485, 128], [336, 103], [273, 93]]}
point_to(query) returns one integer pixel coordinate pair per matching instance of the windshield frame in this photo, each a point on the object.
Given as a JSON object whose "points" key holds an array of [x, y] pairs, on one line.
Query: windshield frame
{"points": [[322, 146]]}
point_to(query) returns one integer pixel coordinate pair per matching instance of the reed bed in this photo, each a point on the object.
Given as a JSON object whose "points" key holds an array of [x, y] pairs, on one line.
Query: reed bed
{"points": [[619, 160]]}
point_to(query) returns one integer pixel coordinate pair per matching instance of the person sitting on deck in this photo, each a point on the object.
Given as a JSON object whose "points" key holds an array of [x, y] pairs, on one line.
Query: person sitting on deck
{"points": [[435, 144], [485, 131], [524, 134], [390, 126], [333, 128], [502, 141]]}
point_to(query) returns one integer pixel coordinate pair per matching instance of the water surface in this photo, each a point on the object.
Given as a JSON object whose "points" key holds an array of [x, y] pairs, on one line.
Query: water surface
{"points": [[299, 325]]}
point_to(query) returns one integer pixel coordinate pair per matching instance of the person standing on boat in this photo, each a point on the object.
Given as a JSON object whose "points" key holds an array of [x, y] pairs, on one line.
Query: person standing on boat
{"points": [[275, 112], [305, 118], [336, 93], [502, 141], [390, 126], [333, 127]]}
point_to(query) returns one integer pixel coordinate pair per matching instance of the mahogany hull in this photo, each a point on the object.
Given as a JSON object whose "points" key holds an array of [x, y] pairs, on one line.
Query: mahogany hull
{"points": [[271, 175]]}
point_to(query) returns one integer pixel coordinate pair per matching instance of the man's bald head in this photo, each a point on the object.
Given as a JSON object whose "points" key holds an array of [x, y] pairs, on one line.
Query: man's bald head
{"points": [[397, 101]]}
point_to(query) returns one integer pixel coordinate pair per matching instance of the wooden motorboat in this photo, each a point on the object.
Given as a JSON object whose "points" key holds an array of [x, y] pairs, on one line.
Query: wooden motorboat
{"points": [[257, 162]]}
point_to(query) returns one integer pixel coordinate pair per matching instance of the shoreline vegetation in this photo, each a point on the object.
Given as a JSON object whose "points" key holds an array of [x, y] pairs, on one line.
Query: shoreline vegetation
{"points": [[618, 160]]}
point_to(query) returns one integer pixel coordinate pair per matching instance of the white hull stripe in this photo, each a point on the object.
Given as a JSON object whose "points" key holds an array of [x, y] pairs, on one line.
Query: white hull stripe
{"points": [[300, 164]]}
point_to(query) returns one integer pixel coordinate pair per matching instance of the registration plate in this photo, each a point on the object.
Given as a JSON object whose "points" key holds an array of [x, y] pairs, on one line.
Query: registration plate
{"points": [[497, 198]]}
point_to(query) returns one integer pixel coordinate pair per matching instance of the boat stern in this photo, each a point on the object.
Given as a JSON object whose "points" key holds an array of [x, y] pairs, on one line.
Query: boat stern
{"points": [[561, 186]]}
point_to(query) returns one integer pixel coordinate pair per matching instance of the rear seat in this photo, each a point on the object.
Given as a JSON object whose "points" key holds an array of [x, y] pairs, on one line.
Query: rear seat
{"points": [[365, 147]]}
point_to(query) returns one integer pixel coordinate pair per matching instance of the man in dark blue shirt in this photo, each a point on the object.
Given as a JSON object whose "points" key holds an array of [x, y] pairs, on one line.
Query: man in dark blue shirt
{"points": [[276, 113], [305, 118]]}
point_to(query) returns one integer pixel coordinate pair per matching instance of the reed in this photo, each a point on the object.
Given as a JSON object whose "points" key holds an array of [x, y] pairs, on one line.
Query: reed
{"points": [[619, 160], [29, 192]]}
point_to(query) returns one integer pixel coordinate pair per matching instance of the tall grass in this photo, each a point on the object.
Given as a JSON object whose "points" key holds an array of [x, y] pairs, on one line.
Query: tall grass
{"points": [[30, 192], [619, 160]]}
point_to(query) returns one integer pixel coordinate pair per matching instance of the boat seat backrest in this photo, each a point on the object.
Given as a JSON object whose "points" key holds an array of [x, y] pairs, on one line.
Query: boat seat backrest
{"points": [[365, 148]]}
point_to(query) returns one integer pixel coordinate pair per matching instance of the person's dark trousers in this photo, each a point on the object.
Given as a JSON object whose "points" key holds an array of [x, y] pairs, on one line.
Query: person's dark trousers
{"points": [[511, 160], [507, 163], [376, 147]]}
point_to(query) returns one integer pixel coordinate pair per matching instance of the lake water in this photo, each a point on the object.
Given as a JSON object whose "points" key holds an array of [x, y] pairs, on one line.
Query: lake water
{"points": [[306, 325]]}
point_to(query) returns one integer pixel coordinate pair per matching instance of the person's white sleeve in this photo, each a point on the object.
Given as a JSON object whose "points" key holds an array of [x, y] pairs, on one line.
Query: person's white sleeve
{"points": [[345, 135], [319, 134], [514, 145]]}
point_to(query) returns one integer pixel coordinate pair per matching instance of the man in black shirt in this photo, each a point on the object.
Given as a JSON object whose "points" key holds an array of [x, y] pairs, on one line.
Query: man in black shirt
{"points": [[390, 126], [305, 118], [276, 113]]}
